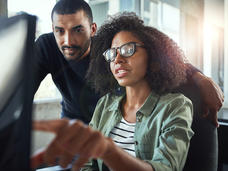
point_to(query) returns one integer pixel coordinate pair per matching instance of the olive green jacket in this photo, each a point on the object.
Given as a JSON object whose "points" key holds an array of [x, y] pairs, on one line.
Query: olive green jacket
{"points": [[162, 132]]}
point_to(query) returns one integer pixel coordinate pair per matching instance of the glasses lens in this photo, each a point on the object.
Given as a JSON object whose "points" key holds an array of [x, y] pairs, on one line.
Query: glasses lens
{"points": [[127, 50], [110, 54]]}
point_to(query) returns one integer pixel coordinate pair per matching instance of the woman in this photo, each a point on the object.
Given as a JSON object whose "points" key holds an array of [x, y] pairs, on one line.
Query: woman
{"points": [[148, 65], [138, 124]]}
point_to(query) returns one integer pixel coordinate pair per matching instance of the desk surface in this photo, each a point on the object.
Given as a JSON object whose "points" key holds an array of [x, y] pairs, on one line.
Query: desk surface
{"points": [[223, 122], [55, 168]]}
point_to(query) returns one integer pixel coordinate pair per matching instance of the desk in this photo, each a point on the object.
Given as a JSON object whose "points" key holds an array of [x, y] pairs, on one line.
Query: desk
{"points": [[55, 168]]}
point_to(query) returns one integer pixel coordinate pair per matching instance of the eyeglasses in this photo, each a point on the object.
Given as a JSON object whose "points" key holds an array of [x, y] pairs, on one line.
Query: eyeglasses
{"points": [[126, 50]]}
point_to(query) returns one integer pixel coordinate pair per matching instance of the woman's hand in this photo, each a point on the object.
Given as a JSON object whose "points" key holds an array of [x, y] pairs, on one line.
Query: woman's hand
{"points": [[72, 138]]}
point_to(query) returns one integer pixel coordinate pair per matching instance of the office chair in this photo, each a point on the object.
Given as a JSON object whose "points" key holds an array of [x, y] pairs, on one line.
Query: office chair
{"points": [[203, 151]]}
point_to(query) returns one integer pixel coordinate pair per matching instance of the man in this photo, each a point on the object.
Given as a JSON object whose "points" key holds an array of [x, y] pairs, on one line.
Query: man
{"points": [[65, 55]]}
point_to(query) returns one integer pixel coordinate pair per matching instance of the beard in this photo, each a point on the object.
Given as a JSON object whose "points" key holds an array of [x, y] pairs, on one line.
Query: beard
{"points": [[75, 52]]}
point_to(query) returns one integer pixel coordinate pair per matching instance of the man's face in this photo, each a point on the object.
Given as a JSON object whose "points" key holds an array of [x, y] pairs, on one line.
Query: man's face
{"points": [[73, 34]]}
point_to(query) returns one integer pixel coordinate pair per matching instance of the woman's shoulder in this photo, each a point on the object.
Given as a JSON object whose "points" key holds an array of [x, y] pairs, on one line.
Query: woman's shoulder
{"points": [[106, 106], [176, 106], [175, 98], [110, 98], [176, 103]]}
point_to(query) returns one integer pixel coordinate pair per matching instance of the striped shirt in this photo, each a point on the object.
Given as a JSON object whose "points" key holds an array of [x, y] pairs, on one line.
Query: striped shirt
{"points": [[123, 136]]}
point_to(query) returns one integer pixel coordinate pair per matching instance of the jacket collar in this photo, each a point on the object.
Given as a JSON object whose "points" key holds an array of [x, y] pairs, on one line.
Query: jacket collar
{"points": [[146, 109]]}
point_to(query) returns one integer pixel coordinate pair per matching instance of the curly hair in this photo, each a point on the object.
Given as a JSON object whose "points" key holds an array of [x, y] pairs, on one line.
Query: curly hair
{"points": [[166, 62]]}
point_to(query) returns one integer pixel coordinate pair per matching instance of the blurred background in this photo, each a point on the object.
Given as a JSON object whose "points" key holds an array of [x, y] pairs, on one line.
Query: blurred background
{"points": [[199, 27]]}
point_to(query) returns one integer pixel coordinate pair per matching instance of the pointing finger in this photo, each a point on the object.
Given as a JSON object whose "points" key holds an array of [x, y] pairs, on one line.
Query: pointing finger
{"points": [[50, 125]]}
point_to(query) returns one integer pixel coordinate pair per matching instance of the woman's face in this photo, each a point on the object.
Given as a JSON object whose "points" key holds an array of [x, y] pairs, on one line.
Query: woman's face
{"points": [[129, 71]]}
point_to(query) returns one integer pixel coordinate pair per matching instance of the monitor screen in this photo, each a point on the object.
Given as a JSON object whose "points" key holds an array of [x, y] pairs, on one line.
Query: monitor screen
{"points": [[16, 45]]}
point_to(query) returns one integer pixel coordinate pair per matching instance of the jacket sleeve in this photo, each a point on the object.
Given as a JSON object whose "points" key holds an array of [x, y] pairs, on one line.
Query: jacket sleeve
{"points": [[174, 140]]}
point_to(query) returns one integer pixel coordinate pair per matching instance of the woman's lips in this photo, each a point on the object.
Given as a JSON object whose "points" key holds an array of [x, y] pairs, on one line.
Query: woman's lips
{"points": [[121, 73]]}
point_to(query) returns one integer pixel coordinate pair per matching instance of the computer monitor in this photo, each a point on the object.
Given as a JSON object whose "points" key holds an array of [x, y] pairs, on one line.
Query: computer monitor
{"points": [[16, 46]]}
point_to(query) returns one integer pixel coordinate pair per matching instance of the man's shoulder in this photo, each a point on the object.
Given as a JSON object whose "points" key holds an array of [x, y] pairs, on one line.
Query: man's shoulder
{"points": [[46, 38], [47, 46]]}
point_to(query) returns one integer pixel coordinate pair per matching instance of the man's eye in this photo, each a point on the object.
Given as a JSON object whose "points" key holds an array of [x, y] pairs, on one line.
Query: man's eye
{"points": [[78, 30], [59, 31]]}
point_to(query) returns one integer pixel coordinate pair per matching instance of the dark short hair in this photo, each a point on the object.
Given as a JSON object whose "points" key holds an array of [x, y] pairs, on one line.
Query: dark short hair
{"points": [[166, 61], [71, 7]]}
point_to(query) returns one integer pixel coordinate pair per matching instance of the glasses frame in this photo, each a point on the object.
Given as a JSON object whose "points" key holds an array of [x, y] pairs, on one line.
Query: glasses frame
{"points": [[116, 48]]}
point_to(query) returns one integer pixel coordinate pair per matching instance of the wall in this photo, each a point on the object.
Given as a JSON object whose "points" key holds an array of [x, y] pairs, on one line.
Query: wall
{"points": [[3, 7]]}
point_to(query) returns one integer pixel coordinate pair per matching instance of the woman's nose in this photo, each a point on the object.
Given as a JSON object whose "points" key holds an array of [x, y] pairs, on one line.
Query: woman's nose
{"points": [[119, 58]]}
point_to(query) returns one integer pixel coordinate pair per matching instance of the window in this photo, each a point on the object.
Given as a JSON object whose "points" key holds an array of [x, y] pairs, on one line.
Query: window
{"points": [[170, 21], [215, 47], [150, 13], [127, 5], [147, 5], [214, 53], [158, 14]]}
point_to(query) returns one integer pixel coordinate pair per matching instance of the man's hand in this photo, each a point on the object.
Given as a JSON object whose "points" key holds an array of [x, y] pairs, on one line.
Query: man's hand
{"points": [[72, 138], [212, 96]]}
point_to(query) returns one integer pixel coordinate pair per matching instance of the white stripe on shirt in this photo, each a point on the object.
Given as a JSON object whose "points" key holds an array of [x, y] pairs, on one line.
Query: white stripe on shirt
{"points": [[123, 136]]}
